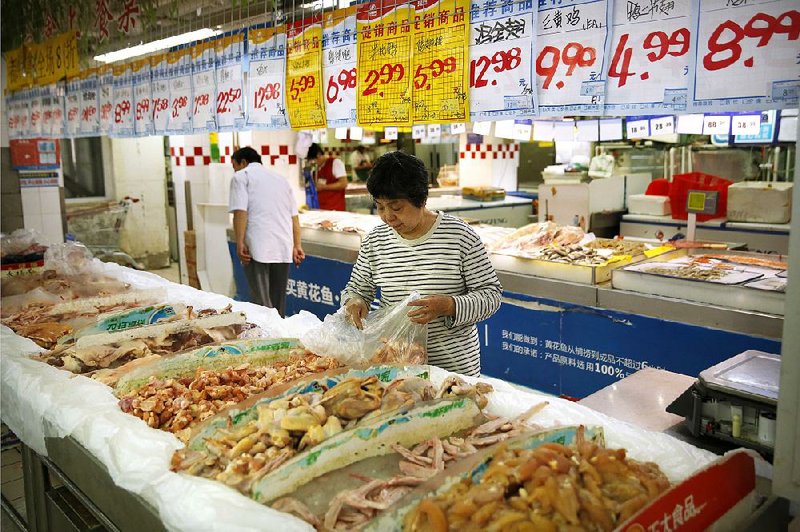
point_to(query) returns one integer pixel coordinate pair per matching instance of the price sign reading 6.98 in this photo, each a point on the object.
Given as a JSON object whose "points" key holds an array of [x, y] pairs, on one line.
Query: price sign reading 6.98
{"points": [[339, 67], [746, 55]]}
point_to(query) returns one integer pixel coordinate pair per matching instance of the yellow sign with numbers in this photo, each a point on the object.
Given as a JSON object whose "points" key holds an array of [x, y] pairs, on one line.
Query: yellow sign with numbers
{"points": [[304, 94], [440, 52]]}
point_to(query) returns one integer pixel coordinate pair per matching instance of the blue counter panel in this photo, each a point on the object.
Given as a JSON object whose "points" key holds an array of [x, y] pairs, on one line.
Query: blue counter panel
{"points": [[555, 347]]}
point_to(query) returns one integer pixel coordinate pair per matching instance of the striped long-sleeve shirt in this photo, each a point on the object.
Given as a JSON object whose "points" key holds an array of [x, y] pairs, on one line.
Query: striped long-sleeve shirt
{"points": [[449, 260]]}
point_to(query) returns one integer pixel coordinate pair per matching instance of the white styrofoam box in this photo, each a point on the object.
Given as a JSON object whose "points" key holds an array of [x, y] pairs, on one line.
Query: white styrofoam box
{"points": [[644, 204], [760, 202], [573, 204]]}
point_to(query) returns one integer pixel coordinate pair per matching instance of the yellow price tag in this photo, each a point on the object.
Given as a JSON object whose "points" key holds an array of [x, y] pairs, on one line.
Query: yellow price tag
{"points": [[304, 102], [697, 201], [650, 253], [613, 259]]}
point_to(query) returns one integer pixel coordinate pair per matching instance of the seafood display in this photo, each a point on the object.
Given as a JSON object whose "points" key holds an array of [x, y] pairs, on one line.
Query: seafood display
{"points": [[114, 350], [744, 259], [618, 246], [341, 221], [176, 404], [353, 507], [283, 427], [574, 254], [528, 241], [688, 272], [584, 486]]}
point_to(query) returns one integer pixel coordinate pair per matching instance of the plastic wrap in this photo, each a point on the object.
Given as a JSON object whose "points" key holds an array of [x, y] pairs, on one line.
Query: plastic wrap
{"points": [[22, 244], [70, 258]]}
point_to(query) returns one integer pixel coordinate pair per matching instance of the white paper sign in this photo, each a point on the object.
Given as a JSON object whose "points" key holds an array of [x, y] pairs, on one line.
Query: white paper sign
{"points": [[611, 129], [106, 101], [716, 124], [339, 68], [689, 125], [390, 133], [73, 108], [266, 104], [746, 124], [636, 129], [543, 131], [501, 60], [143, 101], [746, 57], [434, 131], [161, 100], [648, 66], [204, 89], [588, 130], [482, 128], [229, 53], [522, 132], [456, 128], [356, 133], [123, 103], [564, 131], [90, 110], [663, 125], [418, 132], [571, 49], [35, 113]]}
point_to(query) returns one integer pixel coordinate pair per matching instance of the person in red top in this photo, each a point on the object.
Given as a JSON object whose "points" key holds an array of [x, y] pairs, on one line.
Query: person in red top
{"points": [[331, 179]]}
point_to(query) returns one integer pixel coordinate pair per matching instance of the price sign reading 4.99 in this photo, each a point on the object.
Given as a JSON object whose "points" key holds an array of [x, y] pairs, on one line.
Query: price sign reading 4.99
{"points": [[339, 67], [304, 89], [649, 63], [384, 63], [571, 56], [747, 55], [440, 54], [500, 69]]}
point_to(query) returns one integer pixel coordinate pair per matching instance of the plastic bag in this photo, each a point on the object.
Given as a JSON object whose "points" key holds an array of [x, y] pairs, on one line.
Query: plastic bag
{"points": [[388, 337], [70, 258], [22, 245]]}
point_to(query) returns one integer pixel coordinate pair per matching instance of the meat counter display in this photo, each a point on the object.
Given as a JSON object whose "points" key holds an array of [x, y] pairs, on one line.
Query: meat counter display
{"points": [[242, 433]]}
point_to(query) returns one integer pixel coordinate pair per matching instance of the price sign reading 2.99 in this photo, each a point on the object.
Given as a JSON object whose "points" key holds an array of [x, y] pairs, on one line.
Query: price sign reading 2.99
{"points": [[304, 97], [571, 55], [339, 67], [648, 70], [439, 64], [745, 48], [384, 63], [500, 69]]}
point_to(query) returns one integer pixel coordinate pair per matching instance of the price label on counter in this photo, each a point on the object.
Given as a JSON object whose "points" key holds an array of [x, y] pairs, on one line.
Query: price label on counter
{"points": [[418, 132], [746, 124], [746, 55], [663, 125], [384, 63], [649, 62], [390, 133], [339, 67], [572, 41], [122, 111], [304, 96], [228, 54], [501, 81], [637, 129], [142, 96], [440, 54], [181, 102], [716, 124], [204, 91], [265, 84], [90, 115]]}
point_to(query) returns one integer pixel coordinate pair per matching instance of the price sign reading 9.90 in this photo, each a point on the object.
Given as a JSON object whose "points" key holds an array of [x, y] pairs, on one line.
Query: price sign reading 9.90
{"points": [[747, 54]]}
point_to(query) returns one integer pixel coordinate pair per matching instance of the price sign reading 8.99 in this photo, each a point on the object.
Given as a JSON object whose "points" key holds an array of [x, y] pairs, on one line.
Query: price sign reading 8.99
{"points": [[339, 67], [384, 63], [439, 60], [649, 63], [747, 55], [571, 55], [500, 68]]}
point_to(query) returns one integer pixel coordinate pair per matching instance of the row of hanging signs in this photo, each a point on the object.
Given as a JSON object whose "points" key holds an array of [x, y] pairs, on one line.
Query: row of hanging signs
{"points": [[389, 64]]}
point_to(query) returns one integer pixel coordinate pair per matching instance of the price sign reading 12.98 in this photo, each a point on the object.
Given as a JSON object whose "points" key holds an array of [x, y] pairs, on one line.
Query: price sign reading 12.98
{"points": [[648, 69], [266, 95], [339, 67], [571, 53], [439, 57], [384, 63], [500, 69], [304, 97], [747, 55]]}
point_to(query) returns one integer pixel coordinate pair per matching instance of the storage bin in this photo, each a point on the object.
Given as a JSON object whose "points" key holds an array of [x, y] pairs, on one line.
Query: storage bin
{"points": [[683, 183]]}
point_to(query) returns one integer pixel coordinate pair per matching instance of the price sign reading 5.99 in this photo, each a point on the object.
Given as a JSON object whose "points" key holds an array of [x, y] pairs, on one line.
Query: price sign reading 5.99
{"points": [[439, 61], [571, 56], [304, 92], [339, 67], [648, 70], [747, 54], [384, 63]]}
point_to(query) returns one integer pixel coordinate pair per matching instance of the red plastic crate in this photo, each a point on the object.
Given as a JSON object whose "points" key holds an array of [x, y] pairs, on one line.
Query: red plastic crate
{"points": [[683, 183]]}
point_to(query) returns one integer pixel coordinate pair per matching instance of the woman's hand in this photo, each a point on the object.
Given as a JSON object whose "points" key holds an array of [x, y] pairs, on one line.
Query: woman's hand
{"points": [[356, 310], [431, 307]]}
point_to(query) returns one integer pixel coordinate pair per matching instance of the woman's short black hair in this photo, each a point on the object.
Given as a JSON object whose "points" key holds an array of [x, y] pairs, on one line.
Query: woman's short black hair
{"points": [[314, 151], [398, 175], [246, 154]]}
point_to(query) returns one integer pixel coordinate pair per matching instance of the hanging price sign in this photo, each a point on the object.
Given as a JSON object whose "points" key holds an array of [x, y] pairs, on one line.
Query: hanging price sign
{"points": [[229, 52], [90, 113], [746, 56], [649, 65], [384, 63], [122, 111], [339, 67], [266, 101], [35, 113], [572, 36], [159, 71], [13, 115], [304, 89], [179, 76], [105, 101], [57, 58], [501, 64], [73, 108], [204, 91], [440, 54], [142, 97], [15, 69]]}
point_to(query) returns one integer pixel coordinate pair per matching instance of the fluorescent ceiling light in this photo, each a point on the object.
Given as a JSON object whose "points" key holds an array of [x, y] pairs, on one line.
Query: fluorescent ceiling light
{"points": [[154, 46]]}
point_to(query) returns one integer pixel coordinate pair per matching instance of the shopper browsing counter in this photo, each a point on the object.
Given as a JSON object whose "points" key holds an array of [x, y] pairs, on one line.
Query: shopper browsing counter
{"points": [[435, 254]]}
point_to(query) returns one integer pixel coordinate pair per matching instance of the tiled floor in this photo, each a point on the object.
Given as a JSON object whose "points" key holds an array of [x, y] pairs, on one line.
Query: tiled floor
{"points": [[170, 274], [11, 478]]}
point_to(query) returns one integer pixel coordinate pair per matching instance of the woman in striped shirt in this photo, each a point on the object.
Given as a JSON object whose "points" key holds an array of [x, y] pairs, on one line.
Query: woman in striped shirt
{"points": [[433, 253]]}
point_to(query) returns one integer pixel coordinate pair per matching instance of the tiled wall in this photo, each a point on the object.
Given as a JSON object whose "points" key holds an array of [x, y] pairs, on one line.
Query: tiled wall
{"points": [[11, 207], [41, 210]]}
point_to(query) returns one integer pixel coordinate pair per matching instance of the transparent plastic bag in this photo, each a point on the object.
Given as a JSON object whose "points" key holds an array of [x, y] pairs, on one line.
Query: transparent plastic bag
{"points": [[388, 337], [70, 258]]}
